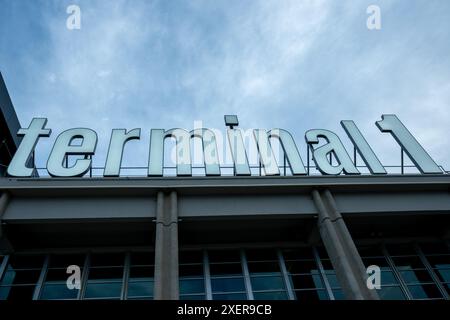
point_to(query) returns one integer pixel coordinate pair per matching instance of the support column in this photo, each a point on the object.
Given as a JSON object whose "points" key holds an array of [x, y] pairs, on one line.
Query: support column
{"points": [[341, 249], [166, 247], [5, 246]]}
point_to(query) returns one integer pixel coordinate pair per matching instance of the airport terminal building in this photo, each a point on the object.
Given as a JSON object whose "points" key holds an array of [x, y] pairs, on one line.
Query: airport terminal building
{"points": [[249, 236]]}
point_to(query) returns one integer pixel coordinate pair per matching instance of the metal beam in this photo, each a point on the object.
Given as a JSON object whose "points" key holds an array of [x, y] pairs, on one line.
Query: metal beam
{"points": [[341, 249]]}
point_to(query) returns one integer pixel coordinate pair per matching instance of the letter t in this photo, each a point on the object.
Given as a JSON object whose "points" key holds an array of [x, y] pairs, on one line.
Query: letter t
{"points": [[18, 166]]}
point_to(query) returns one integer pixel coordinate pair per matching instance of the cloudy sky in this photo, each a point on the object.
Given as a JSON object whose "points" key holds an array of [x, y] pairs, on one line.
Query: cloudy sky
{"points": [[296, 65]]}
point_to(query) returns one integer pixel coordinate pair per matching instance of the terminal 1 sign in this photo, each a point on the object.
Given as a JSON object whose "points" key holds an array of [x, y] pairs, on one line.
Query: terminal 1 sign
{"points": [[321, 142]]}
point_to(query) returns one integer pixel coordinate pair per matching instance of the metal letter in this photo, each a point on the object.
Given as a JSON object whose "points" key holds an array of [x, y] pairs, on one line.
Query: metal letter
{"points": [[290, 150], [210, 154], [18, 166], [183, 151], [238, 152], [335, 146], [115, 152], [390, 123], [364, 149], [266, 153], [63, 147]]}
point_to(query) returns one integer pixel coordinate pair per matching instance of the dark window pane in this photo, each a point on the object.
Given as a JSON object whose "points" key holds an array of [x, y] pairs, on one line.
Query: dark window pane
{"points": [[225, 269], [107, 259], [261, 254], [440, 262], [416, 276], [140, 298], [307, 281], [388, 277], [140, 288], [224, 256], [99, 290], [65, 260], [391, 293], [19, 293], [191, 270], [193, 297], [20, 277], [306, 266], [192, 286], [435, 248], [230, 296], [332, 280], [266, 268], [279, 295], [107, 274], [191, 256], [58, 275], [401, 250], [424, 291], [299, 253], [141, 272], [327, 266], [370, 251], [380, 262], [444, 274], [25, 262], [311, 295], [142, 258], [227, 284], [407, 263], [338, 294], [267, 283], [58, 291]]}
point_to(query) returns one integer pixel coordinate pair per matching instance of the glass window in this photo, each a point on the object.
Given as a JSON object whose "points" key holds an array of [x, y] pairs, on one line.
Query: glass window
{"points": [[192, 286], [416, 276], [224, 256], [190, 256], [424, 291], [301, 267], [51, 291], [227, 284], [229, 296], [391, 293], [298, 254], [140, 289], [261, 255], [307, 281], [267, 283], [277, 295], [311, 295], [103, 290], [65, 260], [189, 270], [142, 258], [264, 268], [192, 297], [225, 269], [19, 293], [107, 259]]}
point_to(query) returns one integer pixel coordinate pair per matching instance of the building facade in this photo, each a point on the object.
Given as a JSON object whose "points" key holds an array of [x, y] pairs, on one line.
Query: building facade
{"points": [[284, 237]]}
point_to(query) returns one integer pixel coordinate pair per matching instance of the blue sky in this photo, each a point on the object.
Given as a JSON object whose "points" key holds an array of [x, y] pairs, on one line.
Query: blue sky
{"points": [[296, 65]]}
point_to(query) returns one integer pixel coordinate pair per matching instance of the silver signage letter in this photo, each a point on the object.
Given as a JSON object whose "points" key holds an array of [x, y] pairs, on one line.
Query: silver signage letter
{"points": [[18, 166], [238, 153], [183, 151], [364, 149], [266, 152], [115, 152], [290, 150], [63, 148], [390, 123], [210, 154], [334, 146]]}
